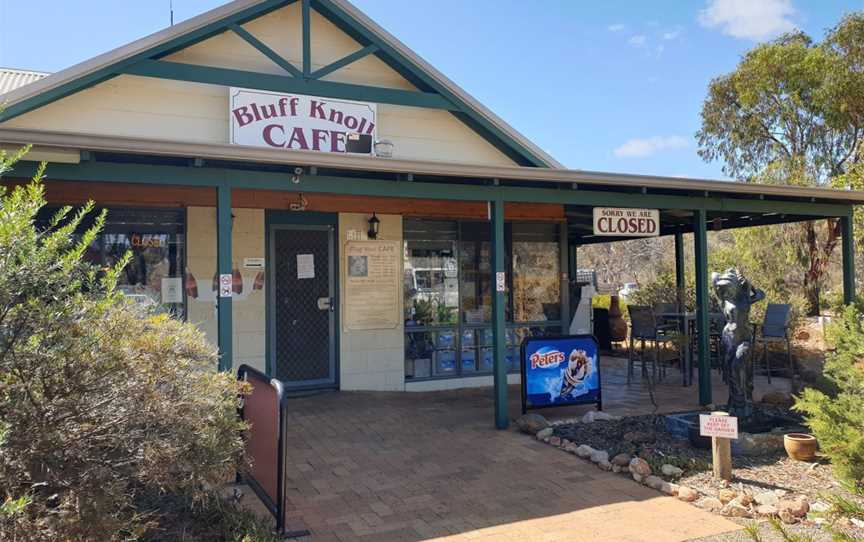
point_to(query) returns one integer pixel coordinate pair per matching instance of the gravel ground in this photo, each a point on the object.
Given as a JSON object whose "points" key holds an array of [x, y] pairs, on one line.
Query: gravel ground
{"points": [[768, 534], [772, 473], [646, 436]]}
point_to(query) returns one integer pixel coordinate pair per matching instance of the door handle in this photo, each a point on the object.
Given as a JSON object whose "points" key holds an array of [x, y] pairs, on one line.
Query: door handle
{"points": [[325, 303]]}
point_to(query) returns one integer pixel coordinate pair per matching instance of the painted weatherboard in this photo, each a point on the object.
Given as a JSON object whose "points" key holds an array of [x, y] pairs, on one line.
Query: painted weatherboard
{"points": [[248, 285], [369, 359], [372, 359], [151, 108]]}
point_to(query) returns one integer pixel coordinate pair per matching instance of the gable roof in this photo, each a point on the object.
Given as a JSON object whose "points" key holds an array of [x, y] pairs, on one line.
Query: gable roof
{"points": [[341, 12], [11, 78]]}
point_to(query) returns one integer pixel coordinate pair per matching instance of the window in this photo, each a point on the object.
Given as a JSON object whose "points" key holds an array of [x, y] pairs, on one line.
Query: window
{"points": [[475, 265], [156, 241], [536, 273], [431, 289], [431, 299], [448, 288]]}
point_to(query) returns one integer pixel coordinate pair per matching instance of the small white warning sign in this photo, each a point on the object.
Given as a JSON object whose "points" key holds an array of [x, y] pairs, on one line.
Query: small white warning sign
{"points": [[718, 426]]}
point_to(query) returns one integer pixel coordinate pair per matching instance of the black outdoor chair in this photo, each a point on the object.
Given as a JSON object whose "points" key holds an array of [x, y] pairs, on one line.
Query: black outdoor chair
{"points": [[666, 308], [716, 322], [644, 327], [774, 329]]}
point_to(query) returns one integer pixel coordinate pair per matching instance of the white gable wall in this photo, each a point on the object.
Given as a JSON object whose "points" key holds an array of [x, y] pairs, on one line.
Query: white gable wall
{"points": [[161, 109]]}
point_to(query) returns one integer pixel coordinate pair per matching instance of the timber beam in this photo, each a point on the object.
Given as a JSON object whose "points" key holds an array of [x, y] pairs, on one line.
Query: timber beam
{"points": [[192, 73], [269, 180], [265, 50]]}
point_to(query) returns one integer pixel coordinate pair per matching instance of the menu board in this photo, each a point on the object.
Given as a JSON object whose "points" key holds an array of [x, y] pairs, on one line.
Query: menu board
{"points": [[372, 285]]}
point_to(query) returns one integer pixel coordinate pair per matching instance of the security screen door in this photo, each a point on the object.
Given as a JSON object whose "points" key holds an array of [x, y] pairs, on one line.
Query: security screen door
{"points": [[303, 305]]}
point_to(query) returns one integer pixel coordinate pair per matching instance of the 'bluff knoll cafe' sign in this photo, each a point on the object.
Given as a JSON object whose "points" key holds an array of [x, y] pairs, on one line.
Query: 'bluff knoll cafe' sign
{"points": [[298, 122], [623, 222]]}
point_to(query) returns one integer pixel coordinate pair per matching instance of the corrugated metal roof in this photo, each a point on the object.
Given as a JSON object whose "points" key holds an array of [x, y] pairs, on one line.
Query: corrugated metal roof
{"points": [[10, 78], [326, 160]]}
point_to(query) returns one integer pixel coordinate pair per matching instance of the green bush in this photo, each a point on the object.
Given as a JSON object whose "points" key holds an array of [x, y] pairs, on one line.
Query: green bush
{"points": [[663, 289], [104, 407], [837, 417], [766, 256]]}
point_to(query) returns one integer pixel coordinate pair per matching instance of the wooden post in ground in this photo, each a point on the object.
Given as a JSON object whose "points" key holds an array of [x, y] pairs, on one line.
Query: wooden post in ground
{"points": [[721, 454]]}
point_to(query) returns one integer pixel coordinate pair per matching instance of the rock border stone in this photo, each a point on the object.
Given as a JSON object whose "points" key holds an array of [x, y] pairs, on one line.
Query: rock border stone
{"points": [[727, 502]]}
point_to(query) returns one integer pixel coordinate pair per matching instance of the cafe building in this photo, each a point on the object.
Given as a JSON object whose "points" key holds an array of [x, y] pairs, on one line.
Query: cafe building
{"points": [[330, 209]]}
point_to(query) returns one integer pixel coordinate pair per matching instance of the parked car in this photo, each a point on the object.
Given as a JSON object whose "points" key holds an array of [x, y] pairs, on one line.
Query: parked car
{"points": [[629, 289]]}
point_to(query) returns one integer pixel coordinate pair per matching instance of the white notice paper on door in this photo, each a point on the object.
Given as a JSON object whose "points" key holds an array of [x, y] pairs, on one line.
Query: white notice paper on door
{"points": [[172, 290], [305, 266]]}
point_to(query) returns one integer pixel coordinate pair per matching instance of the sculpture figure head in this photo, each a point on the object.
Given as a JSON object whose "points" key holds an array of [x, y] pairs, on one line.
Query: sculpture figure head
{"points": [[730, 285]]}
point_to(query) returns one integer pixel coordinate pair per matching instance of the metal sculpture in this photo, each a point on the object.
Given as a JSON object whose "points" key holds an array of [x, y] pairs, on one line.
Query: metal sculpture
{"points": [[736, 296]]}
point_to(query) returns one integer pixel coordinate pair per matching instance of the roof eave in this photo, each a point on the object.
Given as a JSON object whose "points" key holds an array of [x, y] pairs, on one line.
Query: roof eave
{"points": [[262, 155], [92, 67], [124, 52]]}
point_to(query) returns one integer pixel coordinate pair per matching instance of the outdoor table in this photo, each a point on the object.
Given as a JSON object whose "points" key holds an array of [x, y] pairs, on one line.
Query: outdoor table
{"points": [[687, 323]]}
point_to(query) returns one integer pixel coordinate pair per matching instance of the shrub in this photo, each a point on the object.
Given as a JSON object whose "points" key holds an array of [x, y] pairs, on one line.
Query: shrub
{"points": [[103, 406], [837, 417], [663, 289], [602, 301]]}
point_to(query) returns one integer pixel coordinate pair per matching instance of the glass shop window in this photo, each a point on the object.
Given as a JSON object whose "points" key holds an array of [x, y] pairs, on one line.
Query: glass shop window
{"points": [[448, 289], [156, 240], [536, 272], [431, 282], [475, 273]]}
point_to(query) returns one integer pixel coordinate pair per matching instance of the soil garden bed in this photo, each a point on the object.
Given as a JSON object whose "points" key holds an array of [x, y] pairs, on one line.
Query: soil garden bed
{"points": [[640, 447]]}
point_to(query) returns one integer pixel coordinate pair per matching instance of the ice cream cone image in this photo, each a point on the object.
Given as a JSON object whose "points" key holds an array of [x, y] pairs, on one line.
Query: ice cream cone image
{"points": [[259, 281], [578, 366], [236, 281], [191, 285]]}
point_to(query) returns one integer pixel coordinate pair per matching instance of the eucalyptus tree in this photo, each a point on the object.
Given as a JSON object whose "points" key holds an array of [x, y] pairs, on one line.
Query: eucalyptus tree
{"points": [[792, 112]]}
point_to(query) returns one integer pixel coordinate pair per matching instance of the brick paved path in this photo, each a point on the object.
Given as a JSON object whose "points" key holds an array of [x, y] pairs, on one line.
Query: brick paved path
{"points": [[406, 466]]}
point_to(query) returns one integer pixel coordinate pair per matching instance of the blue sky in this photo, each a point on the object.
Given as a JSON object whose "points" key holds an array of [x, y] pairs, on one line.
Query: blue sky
{"points": [[610, 86]]}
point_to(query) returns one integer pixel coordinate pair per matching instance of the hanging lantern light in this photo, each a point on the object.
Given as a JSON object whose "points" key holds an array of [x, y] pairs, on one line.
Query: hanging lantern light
{"points": [[374, 225]]}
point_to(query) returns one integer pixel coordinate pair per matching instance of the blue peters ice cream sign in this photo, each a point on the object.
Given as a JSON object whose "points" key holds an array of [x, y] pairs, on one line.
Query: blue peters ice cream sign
{"points": [[560, 371]]}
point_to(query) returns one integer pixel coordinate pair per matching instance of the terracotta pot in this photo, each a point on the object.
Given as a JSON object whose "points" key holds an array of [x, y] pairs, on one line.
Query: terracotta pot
{"points": [[801, 446], [617, 324]]}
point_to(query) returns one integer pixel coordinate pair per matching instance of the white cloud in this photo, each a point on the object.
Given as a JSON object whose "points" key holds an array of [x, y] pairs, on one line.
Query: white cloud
{"points": [[749, 19], [641, 148], [617, 27], [672, 34], [637, 41]]}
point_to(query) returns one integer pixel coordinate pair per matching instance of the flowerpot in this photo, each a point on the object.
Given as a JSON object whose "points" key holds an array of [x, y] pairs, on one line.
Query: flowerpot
{"points": [[800, 446], [617, 324]]}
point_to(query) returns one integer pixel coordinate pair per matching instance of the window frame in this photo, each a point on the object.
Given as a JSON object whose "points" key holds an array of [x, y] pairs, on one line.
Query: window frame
{"points": [[113, 228], [514, 329]]}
